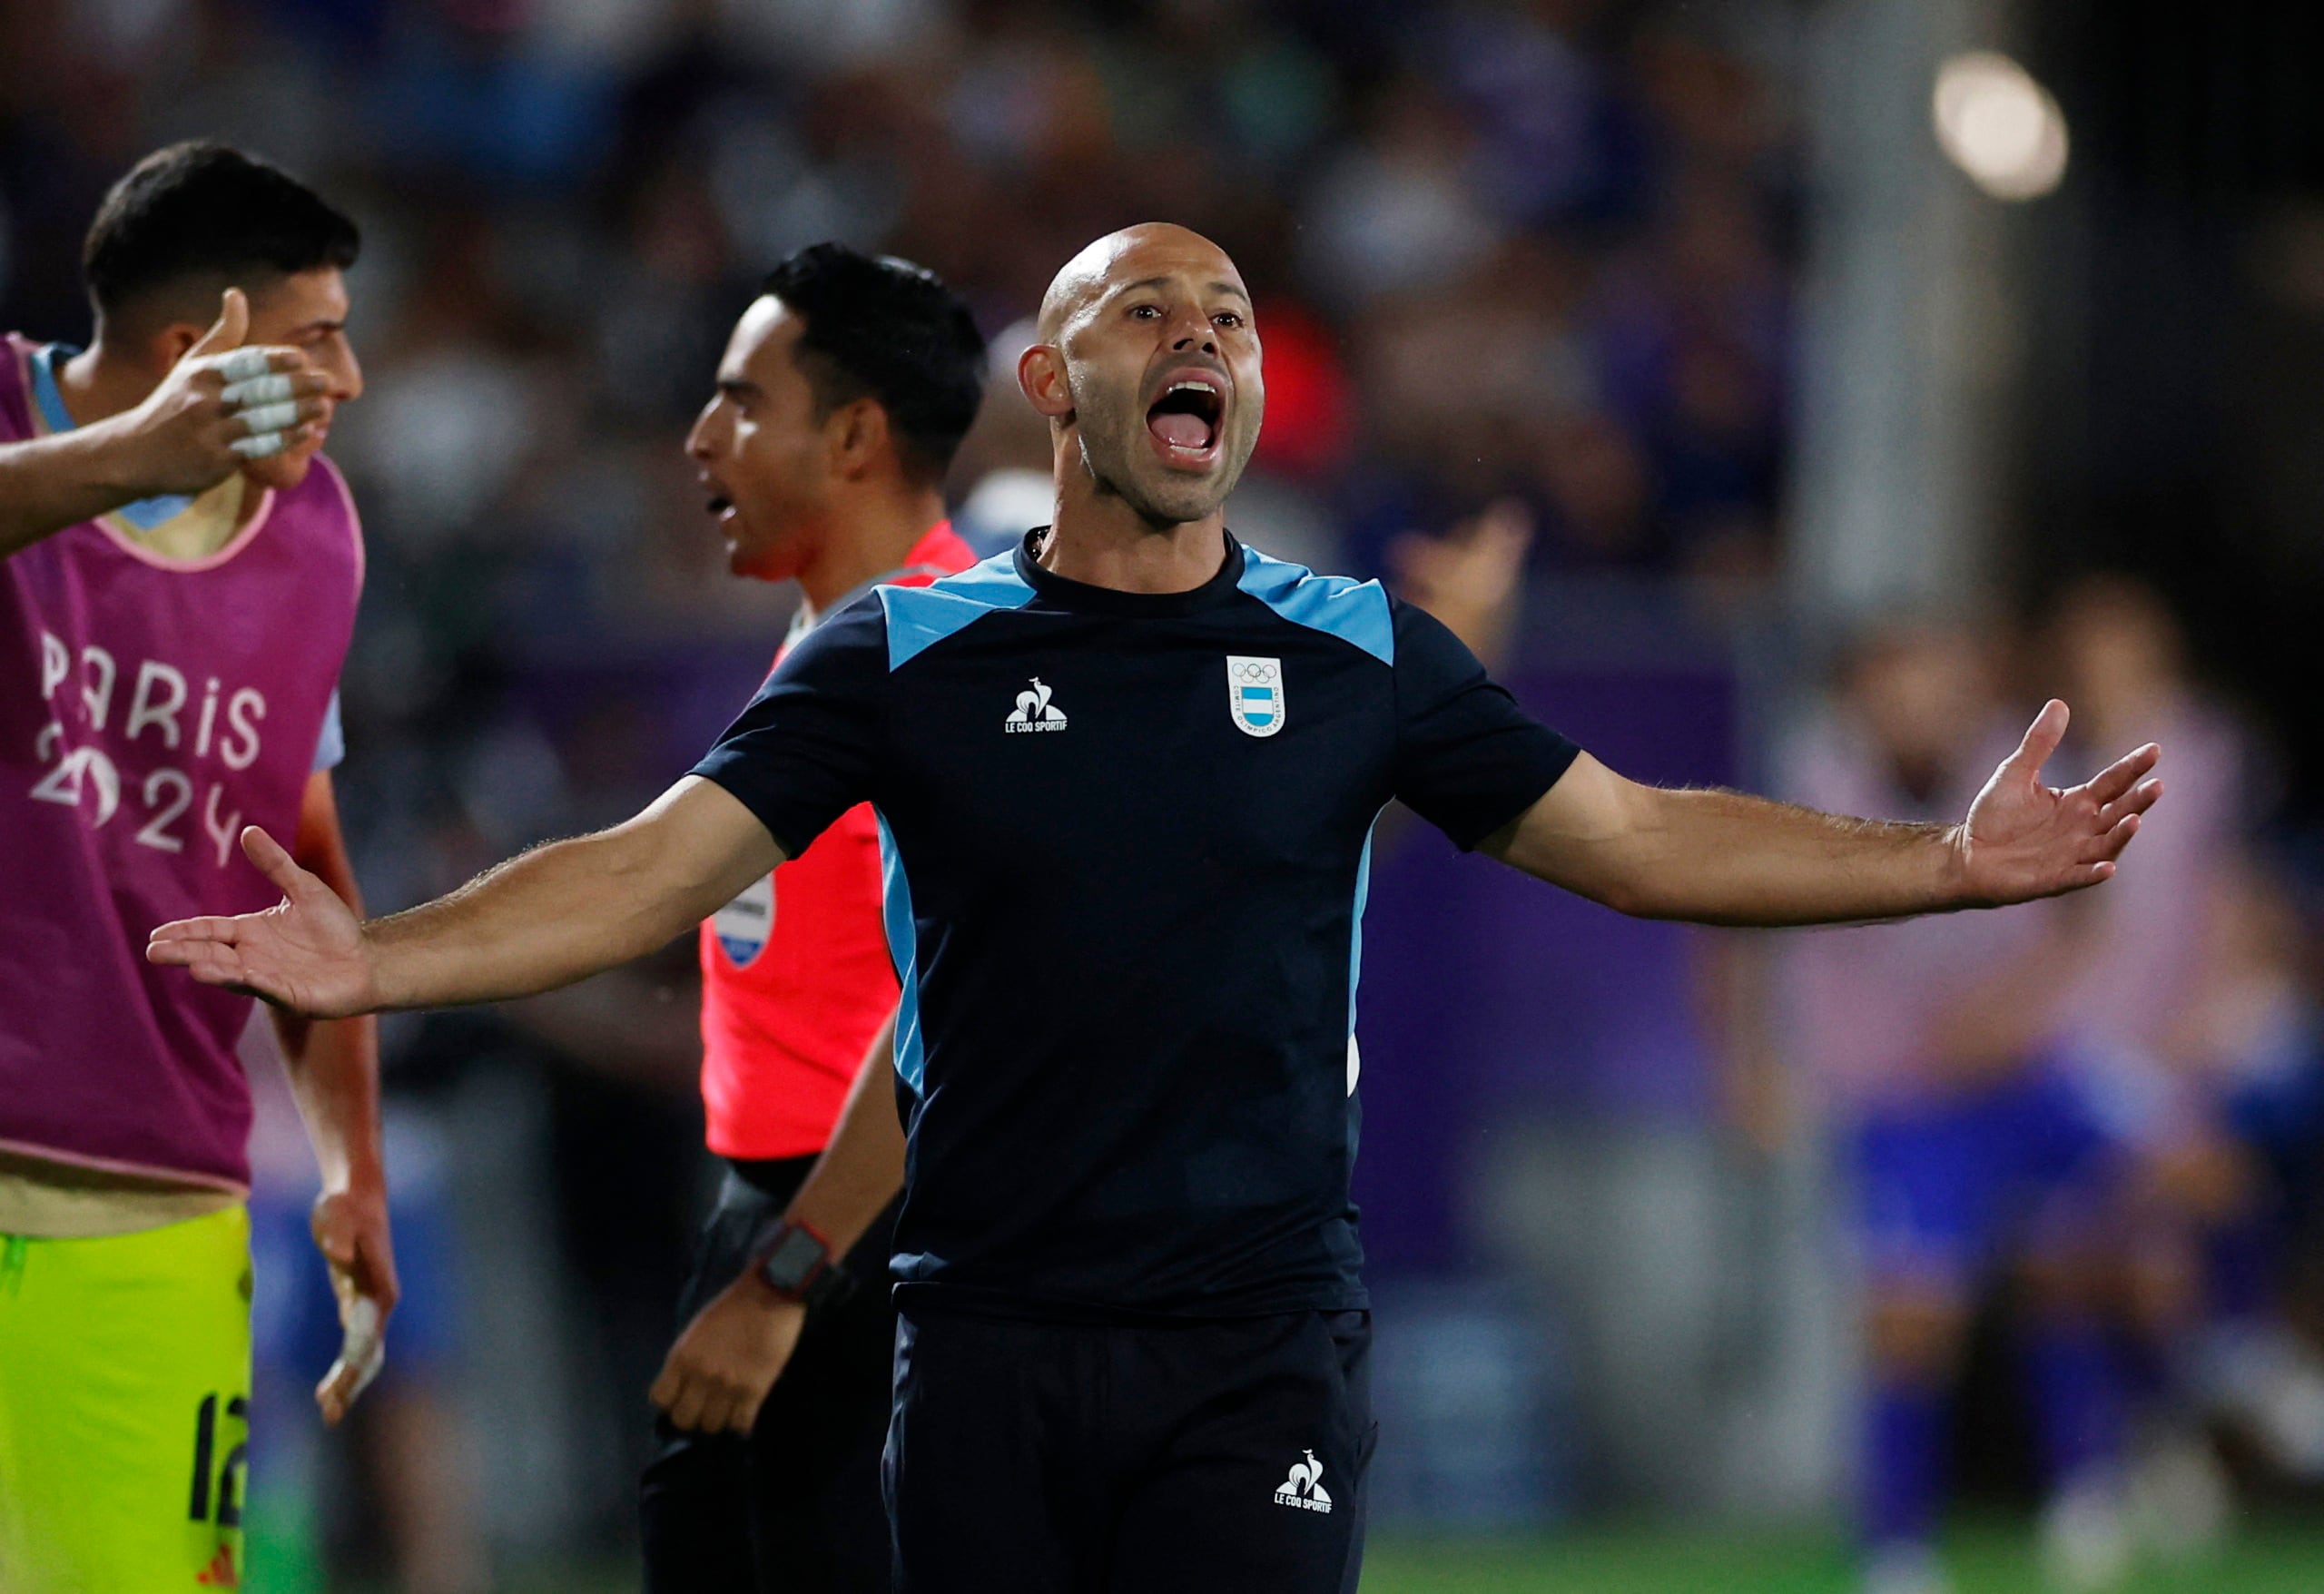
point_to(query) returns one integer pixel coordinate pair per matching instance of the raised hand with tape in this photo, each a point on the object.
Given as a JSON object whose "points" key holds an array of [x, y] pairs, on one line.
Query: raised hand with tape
{"points": [[224, 404]]}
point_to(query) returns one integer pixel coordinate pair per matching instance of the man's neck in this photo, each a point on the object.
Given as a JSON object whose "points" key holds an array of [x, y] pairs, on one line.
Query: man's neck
{"points": [[101, 382], [867, 544], [1100, 541]]}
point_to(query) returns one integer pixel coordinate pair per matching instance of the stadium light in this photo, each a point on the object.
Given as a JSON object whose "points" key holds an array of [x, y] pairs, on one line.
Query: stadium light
{"points": [[2000, 126]]}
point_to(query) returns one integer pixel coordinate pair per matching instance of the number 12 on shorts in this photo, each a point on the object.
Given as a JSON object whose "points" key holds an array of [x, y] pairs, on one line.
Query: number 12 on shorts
{"points": [[217, 1494]]}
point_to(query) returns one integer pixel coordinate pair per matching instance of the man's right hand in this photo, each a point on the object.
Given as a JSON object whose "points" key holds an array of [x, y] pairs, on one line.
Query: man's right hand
{"points": [[306, 953], [220, 406]]}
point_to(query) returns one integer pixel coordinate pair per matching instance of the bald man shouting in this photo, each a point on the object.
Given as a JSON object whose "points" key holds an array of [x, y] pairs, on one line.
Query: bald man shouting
{"points": [[1125, 776]]}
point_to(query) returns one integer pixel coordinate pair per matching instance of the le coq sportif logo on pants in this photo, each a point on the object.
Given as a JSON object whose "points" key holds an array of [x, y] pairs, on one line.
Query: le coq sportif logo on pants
{"points": [[1305, 1488]]}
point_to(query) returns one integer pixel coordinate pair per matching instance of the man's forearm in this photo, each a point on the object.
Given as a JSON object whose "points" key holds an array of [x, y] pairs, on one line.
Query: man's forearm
{"points": [[542, 922], [51, 483], [1720, 858], [863, 1168], [544, 919], [1723, 858], [334, 1069]]}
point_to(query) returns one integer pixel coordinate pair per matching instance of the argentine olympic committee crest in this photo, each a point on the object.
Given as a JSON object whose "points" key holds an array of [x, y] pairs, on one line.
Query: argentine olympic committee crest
{"points": [[1254, 694]]}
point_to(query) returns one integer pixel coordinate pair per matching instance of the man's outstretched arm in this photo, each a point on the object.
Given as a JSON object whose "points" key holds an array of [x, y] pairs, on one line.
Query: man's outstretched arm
{"points": [[1722, 858], [542, 919]]}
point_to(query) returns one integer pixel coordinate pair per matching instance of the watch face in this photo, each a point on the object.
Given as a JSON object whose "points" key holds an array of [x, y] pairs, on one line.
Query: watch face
{"points": [[792, 1261]]}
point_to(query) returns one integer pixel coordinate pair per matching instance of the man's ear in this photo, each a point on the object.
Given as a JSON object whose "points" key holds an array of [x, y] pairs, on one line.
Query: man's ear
{"points": [[1040, 373], [859, 435], [166, 346]]}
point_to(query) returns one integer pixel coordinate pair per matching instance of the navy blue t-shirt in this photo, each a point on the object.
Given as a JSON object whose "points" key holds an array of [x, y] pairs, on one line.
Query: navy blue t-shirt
{"points": [[1127, 838]]}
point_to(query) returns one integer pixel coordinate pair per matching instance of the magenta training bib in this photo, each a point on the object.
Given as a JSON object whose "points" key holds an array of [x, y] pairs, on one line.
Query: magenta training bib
{"points": [[148, 709]]}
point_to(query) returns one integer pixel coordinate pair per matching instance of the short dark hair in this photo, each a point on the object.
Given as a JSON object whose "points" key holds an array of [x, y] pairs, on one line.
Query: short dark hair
{"points": [[206, 210], [884, 328]]}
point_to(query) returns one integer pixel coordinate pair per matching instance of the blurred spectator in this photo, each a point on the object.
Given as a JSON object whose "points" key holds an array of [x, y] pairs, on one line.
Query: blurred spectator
{"points": [[1396, 212], [1973, 1147], [2249, 1043], [1470, 579], [2123, 668], [2191, 1009]]}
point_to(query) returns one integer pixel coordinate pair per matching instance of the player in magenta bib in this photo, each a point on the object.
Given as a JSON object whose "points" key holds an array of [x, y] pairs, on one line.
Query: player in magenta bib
{"points": [[179, 574]]}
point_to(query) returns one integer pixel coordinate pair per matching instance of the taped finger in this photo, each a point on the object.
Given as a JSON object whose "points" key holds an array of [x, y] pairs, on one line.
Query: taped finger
{"points": [[271, 418], [244, 364], [263, 446], [261, 390], [363, 1346]]}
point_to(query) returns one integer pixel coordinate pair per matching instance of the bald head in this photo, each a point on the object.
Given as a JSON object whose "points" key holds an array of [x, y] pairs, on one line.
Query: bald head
{"points": [[1148, 250], [1147, 369]]}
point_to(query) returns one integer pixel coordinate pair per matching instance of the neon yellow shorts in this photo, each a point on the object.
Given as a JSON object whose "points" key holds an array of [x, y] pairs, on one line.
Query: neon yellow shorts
{"points": [[124, 1399]]}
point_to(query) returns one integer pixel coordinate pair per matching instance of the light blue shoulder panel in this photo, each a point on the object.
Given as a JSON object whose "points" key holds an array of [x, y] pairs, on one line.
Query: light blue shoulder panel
{"points": [[921, 616], [1357, 612]]}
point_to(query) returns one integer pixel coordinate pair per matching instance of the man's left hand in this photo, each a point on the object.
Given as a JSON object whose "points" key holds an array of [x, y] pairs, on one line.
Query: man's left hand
{"points": [[351, 1229], [719, 1372], [2024, 840]]}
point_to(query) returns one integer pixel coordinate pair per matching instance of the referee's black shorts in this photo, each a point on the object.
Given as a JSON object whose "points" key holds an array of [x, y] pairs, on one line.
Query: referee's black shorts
{"points": [[795, 1508], [1218, 1457]]}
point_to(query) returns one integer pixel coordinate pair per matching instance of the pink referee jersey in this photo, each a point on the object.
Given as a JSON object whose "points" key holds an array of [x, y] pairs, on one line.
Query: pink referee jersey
{"points": [[148, 709], [796, 976]]}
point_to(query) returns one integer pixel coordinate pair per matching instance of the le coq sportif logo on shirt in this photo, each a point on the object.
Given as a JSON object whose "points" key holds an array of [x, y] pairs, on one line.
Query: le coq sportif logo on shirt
{"points": [[1034, 711]]}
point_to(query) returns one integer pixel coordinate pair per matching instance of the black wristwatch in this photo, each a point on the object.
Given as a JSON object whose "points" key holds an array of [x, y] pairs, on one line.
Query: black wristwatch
{"points": [[794, 1260]]}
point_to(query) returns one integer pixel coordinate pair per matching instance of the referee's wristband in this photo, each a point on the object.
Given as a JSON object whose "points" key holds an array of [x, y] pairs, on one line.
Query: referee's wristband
{"points": [[796, 1262]]}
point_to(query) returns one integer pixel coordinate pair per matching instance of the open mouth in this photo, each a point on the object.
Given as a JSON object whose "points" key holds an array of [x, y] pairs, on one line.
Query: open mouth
{"points": [[1185, 419]]}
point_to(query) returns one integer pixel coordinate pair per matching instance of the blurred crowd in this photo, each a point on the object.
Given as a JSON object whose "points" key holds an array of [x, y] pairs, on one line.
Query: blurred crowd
{"points": [[2099, 1120], [1534, 254]]}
